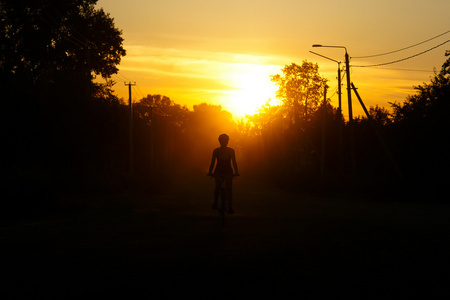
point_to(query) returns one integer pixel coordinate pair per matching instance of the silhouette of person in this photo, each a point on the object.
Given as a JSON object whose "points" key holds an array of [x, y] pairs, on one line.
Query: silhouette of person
{"points": [[225, 156]]}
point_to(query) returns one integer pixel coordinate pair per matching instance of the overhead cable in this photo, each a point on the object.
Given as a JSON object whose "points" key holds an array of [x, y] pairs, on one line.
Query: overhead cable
{"points": [[386, 53], [409, 70], [403, 59]]}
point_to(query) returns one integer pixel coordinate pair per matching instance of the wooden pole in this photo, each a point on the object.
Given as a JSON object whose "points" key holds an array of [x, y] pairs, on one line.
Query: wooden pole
{"points": [[130, 104]]}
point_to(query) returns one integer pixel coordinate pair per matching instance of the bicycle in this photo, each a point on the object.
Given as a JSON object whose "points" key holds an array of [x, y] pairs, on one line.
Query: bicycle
{"points": [[222, 200], [221, 207]]}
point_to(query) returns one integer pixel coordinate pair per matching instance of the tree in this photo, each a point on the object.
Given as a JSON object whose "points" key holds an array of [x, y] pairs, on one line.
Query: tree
{"points": [[300, 89], [422, 123], [159, 107], [50, 53], [52, 42], [159, 127]]}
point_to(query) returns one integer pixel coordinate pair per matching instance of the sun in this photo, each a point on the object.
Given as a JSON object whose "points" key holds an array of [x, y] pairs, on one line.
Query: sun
{"points": [[252, 88]]}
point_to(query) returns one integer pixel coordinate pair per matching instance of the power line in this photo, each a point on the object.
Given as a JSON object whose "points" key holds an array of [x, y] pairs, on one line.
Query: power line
{"points": [[139, 92], [409, 70], [119, 75], [334, 92], [403, 59], [386, 53]]}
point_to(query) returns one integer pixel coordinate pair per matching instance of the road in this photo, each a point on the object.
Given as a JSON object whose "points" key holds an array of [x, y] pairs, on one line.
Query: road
{"points": [[278, 244]]}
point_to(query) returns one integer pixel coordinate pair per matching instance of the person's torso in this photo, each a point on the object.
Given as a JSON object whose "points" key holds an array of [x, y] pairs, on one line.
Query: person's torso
{"points": [[224, 156]]}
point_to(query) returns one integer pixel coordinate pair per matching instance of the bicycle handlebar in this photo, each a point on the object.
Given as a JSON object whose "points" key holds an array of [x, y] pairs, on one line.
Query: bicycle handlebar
{"points": [[212, 175]]}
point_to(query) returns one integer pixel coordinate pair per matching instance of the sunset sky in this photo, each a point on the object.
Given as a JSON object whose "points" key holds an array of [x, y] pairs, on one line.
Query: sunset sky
{"points": [[223, 52]]}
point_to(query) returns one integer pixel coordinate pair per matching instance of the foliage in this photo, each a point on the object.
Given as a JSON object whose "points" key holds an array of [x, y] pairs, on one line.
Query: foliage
{"points": [[380, 115], [423, 126], [55, 118], [413, 136], [159, 127], [300, 89], [45, 39], [267, 116], [156, 108]]}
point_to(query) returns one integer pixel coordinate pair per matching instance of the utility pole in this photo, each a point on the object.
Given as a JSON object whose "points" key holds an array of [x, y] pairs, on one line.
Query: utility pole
{"points": [[341, 126], [379, 136], [152, 139], [350, 116], [350, 111], [322, 160], [349, 90], [339, 89], [130, 104], [341, 144]]}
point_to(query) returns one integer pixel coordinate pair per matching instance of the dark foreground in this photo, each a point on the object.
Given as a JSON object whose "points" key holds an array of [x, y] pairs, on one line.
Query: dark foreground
{"points": [[276, 245]]}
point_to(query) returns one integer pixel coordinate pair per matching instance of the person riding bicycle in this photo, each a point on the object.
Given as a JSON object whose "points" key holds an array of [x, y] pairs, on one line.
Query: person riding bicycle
{"points": [[224, 156]]}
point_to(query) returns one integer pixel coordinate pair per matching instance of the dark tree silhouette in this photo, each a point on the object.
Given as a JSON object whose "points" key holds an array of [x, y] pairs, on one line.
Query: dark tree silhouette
{"points": [[42, 40], [57, 122], [160, 134], [422, 127]]}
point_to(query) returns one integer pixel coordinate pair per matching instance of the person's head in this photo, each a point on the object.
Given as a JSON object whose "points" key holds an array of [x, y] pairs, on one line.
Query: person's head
{"points": [[223, 140]]}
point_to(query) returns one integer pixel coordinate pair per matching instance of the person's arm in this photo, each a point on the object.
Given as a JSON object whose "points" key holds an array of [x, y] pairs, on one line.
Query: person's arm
{"points": [[213, 161], [233, 160]]}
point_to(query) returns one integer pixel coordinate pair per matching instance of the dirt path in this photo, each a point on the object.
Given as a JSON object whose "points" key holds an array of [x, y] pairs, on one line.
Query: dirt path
{"points": [[277, 244]]}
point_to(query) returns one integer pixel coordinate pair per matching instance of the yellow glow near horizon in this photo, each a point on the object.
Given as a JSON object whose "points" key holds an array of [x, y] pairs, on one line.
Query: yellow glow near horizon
{"points": [[223, 52], [240, 83], [252, 89]]}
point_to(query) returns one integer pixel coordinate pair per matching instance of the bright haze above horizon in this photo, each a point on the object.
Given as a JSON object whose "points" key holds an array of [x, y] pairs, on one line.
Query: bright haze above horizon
{"points": [[223, 52]]}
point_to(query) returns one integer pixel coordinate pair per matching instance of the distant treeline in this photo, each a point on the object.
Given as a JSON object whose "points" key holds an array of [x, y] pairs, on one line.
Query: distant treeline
{"points": [[306, 144], [84, 142]]}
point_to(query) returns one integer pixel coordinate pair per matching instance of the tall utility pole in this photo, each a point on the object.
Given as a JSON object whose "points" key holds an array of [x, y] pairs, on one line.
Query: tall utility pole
{"points": [[322, 160], [349, 91], [350, 115], [379, 136], [339, 89], [341, 143], [350, 111], [130, 104]]}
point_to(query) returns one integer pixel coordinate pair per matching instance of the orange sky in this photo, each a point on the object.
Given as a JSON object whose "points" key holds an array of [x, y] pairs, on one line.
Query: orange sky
{"points": [[224, 52]]}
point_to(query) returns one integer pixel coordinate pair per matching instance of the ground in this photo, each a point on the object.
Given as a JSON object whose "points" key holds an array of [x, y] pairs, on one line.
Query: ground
{"points": [[278, 244]]}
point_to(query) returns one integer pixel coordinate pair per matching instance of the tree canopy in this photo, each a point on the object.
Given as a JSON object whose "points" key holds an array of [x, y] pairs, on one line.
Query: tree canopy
{"points": [[423, 125], [50, 53], [44, 41], [300, 89]]}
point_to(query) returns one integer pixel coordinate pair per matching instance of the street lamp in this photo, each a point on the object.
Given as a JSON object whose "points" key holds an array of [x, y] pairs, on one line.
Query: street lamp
{"points": [[350, 112], [347, 67]]}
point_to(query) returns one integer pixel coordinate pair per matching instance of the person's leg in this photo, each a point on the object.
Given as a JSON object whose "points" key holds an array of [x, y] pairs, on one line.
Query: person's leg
{"points": [[228, 186], [218, 183]]}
